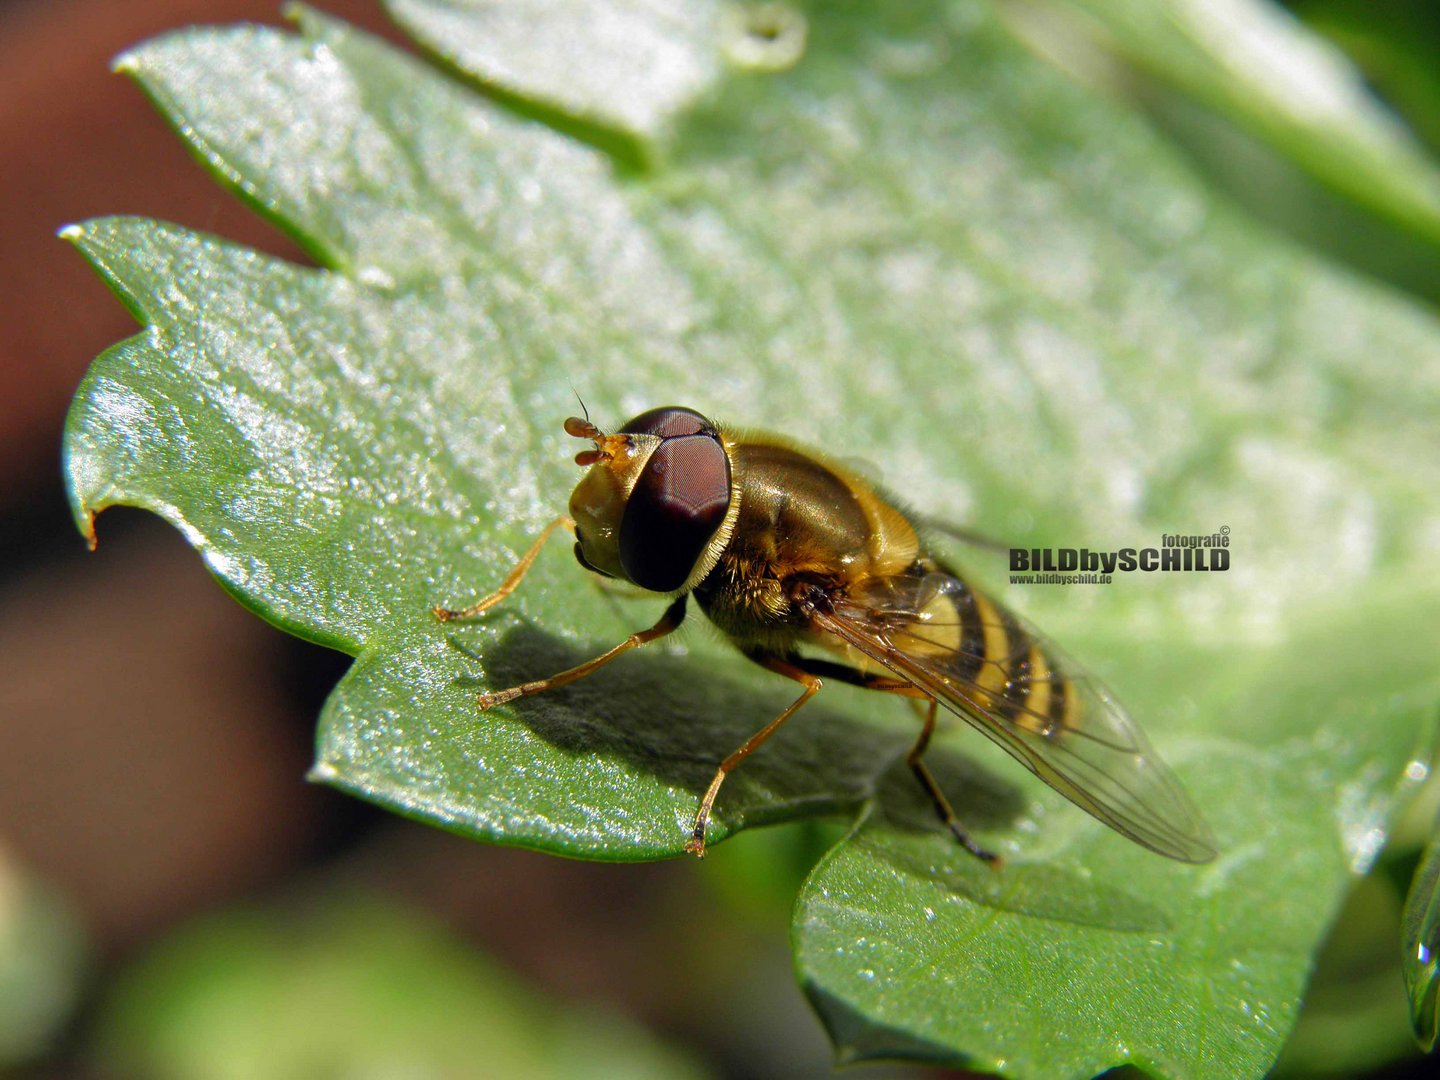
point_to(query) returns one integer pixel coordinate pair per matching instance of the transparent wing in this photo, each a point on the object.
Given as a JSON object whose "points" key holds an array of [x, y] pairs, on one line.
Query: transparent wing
{"points": [[989, 667]]}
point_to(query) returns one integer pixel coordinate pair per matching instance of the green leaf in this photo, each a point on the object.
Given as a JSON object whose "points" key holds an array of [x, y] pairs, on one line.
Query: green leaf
{"points": [[1122, 955], [1355, 1013], [1419, 939], [1250, 61], [913, 244], [354, 986], [1394, 46], [645, 60]]}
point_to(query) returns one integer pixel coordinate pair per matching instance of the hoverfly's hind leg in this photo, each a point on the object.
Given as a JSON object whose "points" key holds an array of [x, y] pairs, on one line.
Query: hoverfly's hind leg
{"points": [[696, 844], [891, 685], [511, 581], [942, 805], [673, 617]]}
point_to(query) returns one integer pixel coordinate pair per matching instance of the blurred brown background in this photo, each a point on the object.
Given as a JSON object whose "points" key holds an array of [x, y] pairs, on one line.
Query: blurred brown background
{"points": [[131, 686]]}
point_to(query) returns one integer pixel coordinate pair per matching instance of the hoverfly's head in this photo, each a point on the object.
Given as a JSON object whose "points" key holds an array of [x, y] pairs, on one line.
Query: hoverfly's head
{"points": [[653, 503]]}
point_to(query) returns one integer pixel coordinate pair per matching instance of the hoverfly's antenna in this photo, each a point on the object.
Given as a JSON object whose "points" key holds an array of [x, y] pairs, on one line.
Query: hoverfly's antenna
{"points": [[584, 429]]}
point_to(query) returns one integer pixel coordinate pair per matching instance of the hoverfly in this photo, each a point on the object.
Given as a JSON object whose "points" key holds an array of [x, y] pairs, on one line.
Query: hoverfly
{"points": [[790, 554]]}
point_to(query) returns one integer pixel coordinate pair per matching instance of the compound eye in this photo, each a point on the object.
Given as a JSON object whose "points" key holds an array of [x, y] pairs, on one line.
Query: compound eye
{"points": [[668, 422], [675, 508]]}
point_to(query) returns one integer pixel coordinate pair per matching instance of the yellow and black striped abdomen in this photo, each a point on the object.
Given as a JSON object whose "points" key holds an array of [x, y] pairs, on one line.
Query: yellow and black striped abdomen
{"points": [[988, 654], [949, 642]]}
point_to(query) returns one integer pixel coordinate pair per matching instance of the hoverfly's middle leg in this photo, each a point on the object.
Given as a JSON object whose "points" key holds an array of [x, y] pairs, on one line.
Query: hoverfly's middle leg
{"points": [[512, 580], [696, 844]]}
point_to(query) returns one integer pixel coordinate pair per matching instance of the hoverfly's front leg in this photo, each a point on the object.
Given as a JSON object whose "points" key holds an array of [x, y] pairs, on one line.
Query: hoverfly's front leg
{"points": [[927, 781], [696, 844], [673, 617], [512, 580]]}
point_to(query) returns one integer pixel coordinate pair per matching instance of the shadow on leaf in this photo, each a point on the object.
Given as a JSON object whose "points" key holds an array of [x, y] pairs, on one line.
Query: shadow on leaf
{"points": [[899, 839], [677, 717], [859, 1036]]}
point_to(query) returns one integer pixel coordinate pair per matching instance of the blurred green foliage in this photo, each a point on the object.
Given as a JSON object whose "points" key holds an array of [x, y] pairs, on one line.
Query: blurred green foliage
{"points": [[1395, 43], [354, 986]]}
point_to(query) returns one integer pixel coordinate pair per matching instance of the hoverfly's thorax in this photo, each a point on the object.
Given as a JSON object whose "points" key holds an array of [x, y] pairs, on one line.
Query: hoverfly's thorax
{"points": [[807, 516], [654, 504]]}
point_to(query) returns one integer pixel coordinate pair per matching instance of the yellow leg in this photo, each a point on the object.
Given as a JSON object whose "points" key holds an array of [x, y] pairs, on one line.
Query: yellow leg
{"points": [[914, 759], [942, 804], [696, 844], [674, 615], [510, 583]]}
